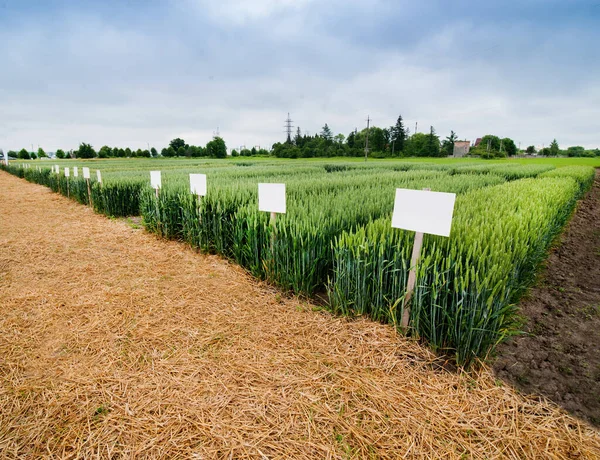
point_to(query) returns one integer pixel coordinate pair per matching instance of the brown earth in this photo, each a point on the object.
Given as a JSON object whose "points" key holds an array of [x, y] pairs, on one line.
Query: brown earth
{"points": [[559, 355], [115, 344]]}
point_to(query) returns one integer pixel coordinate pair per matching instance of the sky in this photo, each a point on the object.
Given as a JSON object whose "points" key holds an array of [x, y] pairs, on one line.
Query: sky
{"points": [[132, 73]]}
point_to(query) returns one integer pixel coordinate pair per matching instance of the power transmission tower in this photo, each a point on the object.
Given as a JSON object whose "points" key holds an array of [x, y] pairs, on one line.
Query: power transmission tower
{"points": [[367, 141], [288, 128], [416, 127]]}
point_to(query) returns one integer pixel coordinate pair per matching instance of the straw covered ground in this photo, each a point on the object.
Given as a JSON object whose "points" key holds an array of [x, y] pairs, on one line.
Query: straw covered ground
{"points": [[114, 344]]}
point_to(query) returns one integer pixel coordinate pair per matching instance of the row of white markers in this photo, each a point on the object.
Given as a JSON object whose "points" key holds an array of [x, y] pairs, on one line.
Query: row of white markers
{"points": [[85, 172], [416, 210]]}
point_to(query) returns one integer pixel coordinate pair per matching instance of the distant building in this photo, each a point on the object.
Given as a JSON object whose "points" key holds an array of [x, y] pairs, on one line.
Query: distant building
{"points": [[461, 148], [477, 142]]}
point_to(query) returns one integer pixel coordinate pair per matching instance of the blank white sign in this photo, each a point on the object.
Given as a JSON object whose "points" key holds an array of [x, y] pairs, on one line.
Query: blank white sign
{"points": [[99, 175], [423, 211], [66, 172], [75, 171], [86, 173], [198, 184], [56, 169], [271, 198], [155, 179]]}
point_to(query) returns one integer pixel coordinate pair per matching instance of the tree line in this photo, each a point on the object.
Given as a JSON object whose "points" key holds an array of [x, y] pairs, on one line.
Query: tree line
{"points": [[216, 148]]}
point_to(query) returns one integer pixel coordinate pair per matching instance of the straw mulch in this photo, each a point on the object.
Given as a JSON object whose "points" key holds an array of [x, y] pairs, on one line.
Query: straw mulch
{"points": [[114, 344]]}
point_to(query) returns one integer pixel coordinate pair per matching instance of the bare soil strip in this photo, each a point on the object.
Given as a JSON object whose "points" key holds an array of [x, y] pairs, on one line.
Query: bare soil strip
{"points": [[559, 356], [116, 344]]}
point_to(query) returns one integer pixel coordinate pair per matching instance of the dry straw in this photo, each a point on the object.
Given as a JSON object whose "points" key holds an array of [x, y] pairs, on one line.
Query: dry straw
{"points": [[115, 344]]}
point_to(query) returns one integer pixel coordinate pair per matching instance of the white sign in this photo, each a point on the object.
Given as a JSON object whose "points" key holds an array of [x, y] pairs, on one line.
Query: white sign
{"points": [[99, 175], [198, 184], [66, 172], [423, 211], [155, 179], [86, 173], [75, 171], [56, 170], [271, 198]]}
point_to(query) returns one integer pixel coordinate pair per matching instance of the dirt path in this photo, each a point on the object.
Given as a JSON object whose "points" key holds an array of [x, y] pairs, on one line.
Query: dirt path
{"points": [[560, 355], [116, 344]]}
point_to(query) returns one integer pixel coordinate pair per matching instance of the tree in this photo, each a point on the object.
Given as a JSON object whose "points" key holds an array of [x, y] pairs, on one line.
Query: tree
{"points": [[60, 154], [253, 151], [575, 151], [326, 133], [234, 153], [177, 143], [217, 148], [23, 155], [545, 151], [104, 152], [41, 153], [351, 139], [554, 149], [85, 151], [33, 156], [530, 150], [433, 143], [398, 135], [509, 146], [448, 144], [153, 152], [298, 138]]}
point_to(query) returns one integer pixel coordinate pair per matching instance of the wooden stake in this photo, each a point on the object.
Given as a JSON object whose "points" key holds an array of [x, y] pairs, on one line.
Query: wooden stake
{"points": [[156, 191], [89, 193], [273, 218], [412, 275]]}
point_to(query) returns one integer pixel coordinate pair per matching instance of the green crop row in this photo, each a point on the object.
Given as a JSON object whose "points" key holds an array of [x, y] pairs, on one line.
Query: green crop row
{"points": [[467, 284]]}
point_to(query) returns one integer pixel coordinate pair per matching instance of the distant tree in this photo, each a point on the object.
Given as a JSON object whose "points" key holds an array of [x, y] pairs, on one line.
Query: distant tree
{"points": [[12, 154], [326, 133], [339, 139], [146, 153], [85, 151], [180, 152], [433, 143], [177, 143], [554, 149], [234, 153], [41, 153], [351, 139], [530, 150], [217, 148], [546, 152], [33, 156], [448, 144], [575, 151], [60, 153], [398, 135], [105, 152], [509, 146], [23, 155], [253, 151], [298, 138], [153, 152]]}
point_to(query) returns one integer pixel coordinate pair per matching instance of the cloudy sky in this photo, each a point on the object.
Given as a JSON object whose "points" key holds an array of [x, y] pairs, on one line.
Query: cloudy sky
{"points": [[132, 73]]}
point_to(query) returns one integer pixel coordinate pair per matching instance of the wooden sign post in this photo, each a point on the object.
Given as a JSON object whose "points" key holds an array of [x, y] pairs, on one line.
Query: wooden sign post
{"points": [[155, 181], [423, 212], [86, 176], [271, 198]]}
